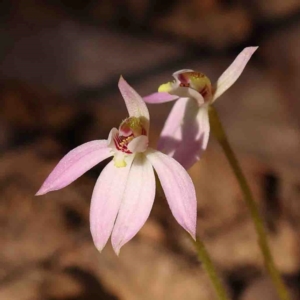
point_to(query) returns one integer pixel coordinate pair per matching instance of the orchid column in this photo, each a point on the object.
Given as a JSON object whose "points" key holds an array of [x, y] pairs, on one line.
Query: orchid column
{"points": [[186, 132]]}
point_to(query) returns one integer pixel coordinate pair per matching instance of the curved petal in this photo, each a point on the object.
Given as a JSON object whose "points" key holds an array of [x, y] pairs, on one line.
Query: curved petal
{"points": [[134, 102], [186, 132], [195, 135], [136, 204], [106, 200], [197, 82], [159, 97], [186, 92], [171, 133], [138, 144], [74, 164], [110, 140], [178, 188], [233, 72], [177, 73]]}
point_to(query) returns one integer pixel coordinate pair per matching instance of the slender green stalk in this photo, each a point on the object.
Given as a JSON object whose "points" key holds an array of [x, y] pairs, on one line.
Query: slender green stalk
{"points": [[219, 133], [210, 269], [205, 259]]}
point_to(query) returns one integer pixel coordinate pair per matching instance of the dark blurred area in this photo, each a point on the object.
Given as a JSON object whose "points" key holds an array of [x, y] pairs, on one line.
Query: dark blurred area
{"points": [[60, 64]]}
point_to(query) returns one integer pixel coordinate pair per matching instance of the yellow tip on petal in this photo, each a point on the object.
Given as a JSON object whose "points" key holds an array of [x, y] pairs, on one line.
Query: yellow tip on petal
{"points": [[165, 88]]}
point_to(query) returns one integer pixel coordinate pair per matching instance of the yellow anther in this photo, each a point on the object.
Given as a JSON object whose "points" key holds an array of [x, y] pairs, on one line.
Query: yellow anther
{"points": [[165, 88]]}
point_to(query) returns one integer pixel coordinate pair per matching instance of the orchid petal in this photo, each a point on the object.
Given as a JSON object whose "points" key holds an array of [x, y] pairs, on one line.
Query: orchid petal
{"points": [[171, 133], [185, 92], [136, 203], [106, 200], [134, 102], [195, 135], [74, 164], [110, 140], [174, 88], [178, 188], [186, 132], [160, 97], [233, 72], [138, 144]]}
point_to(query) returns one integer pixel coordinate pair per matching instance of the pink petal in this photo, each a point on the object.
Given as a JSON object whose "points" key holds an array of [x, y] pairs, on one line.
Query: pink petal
{"points": [[138, 144], [186, 132], [178, 188], [171, 133], [74, 164], [159, 97], [195, 135], [106, 200], [189, 93], [136, 204], [233, 72], [134, 102], [110, 140]]}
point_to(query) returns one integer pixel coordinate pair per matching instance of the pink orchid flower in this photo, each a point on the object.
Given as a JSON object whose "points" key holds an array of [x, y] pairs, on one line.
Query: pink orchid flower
{"points": [[125, 190], [186, 131]]}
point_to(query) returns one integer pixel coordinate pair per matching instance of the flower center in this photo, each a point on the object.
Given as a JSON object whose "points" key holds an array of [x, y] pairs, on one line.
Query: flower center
{"points": [[129, 129], [122, 142], [129, 139], [197, 81]]}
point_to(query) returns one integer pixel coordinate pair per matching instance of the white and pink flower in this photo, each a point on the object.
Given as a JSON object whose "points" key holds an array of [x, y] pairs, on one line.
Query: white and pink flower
{"points": [[125, 190], [186, 131]]}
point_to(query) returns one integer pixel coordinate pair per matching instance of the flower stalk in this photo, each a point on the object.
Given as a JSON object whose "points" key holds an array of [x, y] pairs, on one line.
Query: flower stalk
{"points": [[205, 259], [219, 133]]}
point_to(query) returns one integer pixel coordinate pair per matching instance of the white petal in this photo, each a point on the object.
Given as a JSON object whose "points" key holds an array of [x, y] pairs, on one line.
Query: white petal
{"points": [[186, 92], [233, 72], [110, 140], [106, 200], [178, 188], [138, 144], [136, 204], [134, 102], [175, 74]]}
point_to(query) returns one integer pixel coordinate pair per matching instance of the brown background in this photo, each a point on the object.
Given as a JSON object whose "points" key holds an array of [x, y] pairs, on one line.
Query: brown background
{"points": [[60, 63]]}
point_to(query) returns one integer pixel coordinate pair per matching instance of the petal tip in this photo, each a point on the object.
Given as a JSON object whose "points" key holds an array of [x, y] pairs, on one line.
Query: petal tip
{"points": [[117, 250], [191, 232], [99, 248], [42, 191], [251, 49], [193, 235], [116, 244], [159, 97], [121, 79]]}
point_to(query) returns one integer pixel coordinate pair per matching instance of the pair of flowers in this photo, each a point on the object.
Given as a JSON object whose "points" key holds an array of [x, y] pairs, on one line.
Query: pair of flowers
{"points": [[125, 190]]}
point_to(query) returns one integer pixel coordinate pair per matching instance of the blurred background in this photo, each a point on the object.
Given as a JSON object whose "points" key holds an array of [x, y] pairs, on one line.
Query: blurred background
{"points": [[60, 63]]}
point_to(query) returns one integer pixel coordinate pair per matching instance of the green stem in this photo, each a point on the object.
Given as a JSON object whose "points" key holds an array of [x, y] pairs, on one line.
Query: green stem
{"points": [[219, 133], [210, 269], [206, 261]]}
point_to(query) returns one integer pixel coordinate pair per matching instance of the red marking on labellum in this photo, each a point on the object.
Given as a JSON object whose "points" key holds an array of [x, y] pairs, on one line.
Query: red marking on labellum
{"points": [[184, 84], [204, 91], [121, 143], [183, 78]]}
